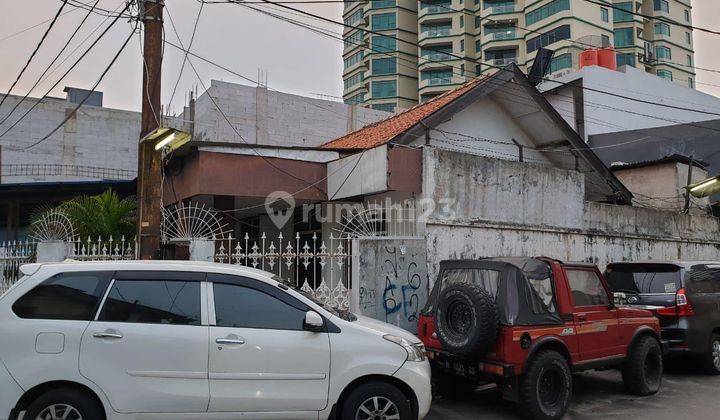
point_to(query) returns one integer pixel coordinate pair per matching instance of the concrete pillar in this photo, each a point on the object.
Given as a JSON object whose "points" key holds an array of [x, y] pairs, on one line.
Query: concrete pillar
{"points": [[52, 251], [202, 250]]}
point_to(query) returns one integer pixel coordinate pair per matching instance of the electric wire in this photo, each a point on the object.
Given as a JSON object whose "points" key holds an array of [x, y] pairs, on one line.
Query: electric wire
{"points": [[77, 61], [47, 68], [32, 55], [185, 57]]}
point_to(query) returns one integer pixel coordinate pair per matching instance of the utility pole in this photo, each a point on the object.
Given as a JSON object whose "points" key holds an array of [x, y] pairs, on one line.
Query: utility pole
{"points": [[149, 160]]}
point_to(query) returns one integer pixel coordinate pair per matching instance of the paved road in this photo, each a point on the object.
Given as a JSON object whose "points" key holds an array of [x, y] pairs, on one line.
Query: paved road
{"points": [[684, 395]]}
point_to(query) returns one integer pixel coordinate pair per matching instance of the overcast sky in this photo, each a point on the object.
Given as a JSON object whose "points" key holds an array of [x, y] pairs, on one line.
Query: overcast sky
{"points": [[296, 60]]}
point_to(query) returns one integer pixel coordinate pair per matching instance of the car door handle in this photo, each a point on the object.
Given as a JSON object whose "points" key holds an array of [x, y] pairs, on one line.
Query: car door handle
{"points": [[108, 334], [226, 340]]}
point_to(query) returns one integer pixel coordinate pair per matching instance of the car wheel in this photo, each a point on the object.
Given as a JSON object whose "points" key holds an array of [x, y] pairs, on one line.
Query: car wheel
{"points": [[64, 404], [546, 386], [466, 320], [642, 372], [376, 400], [712, 358]]}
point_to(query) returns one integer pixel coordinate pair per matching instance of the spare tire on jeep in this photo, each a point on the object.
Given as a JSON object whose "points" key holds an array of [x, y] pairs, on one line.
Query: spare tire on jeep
{"points": [[466, 319]]}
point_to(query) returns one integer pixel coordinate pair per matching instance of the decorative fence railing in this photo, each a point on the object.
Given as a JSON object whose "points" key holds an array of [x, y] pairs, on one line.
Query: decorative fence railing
{"points": [[318, 266], [12, 256], [15, 254], [103, 249]]}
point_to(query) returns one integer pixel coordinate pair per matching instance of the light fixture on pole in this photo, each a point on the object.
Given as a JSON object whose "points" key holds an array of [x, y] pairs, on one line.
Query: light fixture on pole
{"points": [[705, 187], [167, 138]]}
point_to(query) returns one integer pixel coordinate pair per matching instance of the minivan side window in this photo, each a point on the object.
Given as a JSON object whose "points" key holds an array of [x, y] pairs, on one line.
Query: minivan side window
{"points": [[244, 307], [153, 302], [68, 296], [703, 279], [586, 287]]}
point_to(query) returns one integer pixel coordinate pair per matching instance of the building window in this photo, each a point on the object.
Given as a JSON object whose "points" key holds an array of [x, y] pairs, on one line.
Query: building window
{"points": [[462, 69], [354, 39], [561, 62], [384, 89], [663, 52], [381, 43], [687, 16], [462, 21], [437, 77], [662, 29], [688, 38], [665, 74], [437, 6], [623, 12], [441, 52], [605, 41], [384, 107], [604, 14], [626, 60], [477, 22], [353, 80], [543, 12], [353, 59], [355, 99], [379, 4], [436, 29], [550, 37], [662, 6], [462, 45], [624, 37], [689, 60], [354, 18], [384, 21], [691, 83], [384, 66], [478, 46]]}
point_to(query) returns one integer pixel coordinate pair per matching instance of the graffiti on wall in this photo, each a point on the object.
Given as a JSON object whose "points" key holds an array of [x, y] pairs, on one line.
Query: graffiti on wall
{"points": [[393, 281]]}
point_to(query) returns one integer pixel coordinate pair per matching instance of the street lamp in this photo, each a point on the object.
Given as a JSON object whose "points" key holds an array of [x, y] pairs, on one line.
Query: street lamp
{"points": [[167, 138], [705, 187]]}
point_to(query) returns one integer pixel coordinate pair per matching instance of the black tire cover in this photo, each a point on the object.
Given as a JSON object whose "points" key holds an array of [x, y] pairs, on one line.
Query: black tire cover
{"points": [[466, 320]]}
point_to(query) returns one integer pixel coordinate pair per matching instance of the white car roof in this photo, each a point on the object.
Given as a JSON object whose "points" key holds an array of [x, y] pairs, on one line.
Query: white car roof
{"points": [[159, 265]]}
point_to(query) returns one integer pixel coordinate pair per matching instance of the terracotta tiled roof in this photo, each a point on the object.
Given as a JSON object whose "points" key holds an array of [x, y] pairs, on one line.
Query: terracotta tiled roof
{"points": [[382, 132]]}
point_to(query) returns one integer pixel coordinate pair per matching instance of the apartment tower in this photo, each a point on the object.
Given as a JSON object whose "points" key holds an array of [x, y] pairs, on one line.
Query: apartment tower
{"points": [[461, 39]]}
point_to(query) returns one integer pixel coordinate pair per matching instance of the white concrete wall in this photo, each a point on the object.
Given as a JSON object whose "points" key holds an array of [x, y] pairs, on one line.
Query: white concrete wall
{"points": [[505, 208], [608, 114], [274, 118], [95, 137]]}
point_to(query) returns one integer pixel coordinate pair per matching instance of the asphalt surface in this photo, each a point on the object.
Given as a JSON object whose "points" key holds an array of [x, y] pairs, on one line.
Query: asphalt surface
{"points": [[685, 394]]}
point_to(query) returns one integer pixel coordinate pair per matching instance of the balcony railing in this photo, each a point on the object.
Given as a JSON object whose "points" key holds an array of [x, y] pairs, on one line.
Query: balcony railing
{"points": [[437, 56], [439, 8], [432, 33], [504, 35], [503, 61], [503, 8], [439, 81]]}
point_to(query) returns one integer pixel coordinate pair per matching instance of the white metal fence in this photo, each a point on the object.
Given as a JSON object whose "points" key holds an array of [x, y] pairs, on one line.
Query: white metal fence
{"points": [[319, 267], [12, 256]]}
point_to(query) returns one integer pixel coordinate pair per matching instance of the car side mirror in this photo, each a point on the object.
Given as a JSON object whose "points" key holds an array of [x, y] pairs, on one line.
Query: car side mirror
{"points": [[313, 322]]}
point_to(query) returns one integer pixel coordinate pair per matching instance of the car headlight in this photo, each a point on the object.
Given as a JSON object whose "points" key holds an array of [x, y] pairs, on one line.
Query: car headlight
{"points": [[415, 351]]}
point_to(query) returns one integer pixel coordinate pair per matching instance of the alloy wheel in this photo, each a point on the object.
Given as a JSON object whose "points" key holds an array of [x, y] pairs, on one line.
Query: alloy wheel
{"points": [[716, 354], [377, 408], [59, 412]]}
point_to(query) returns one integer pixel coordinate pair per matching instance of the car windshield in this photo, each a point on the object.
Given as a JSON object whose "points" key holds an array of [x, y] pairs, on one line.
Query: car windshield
{"points": [[644, 278], [340, 313]]}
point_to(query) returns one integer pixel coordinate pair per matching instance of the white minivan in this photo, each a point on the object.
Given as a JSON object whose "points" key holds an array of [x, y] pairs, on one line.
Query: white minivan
{"points": [[186, 340]]}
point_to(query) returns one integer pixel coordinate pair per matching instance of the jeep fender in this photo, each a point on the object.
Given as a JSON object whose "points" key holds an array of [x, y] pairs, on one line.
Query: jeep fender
{"points": [[640, 332], [550, 343]]}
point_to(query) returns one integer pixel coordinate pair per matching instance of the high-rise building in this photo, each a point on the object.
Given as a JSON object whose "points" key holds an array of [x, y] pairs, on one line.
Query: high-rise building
{"points": [[461, 39]]}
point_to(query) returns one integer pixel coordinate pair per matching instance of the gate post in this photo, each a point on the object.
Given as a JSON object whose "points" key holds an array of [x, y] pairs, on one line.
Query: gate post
{"points": [[354, 280], [202, 250], [52, 251]]}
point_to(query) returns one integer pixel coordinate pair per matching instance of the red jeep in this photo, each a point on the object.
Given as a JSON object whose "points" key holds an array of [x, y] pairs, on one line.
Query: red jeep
{"points": [[527, 324]]}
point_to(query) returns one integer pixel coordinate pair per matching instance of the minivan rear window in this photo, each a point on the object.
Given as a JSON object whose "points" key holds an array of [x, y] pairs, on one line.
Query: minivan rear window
{"points": [[644, 278]]}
